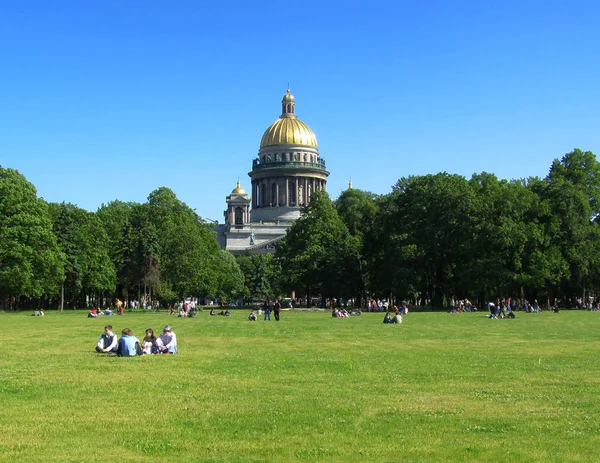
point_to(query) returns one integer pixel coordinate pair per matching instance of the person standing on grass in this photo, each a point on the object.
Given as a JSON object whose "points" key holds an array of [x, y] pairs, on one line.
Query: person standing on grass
{"points": [[267, 311], [129, 345], [166, 343], [107, 344], [276, 309]]}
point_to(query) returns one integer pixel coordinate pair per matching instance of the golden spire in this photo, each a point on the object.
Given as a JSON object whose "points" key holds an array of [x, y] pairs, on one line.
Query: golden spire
{"points": [[350, 184]]}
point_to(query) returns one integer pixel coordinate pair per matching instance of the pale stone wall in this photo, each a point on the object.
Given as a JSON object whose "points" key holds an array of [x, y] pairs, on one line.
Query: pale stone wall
{"points": [[274, 214]]}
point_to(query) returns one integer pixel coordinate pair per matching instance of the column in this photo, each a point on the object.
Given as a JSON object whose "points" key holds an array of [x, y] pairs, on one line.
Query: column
{"points": [[261, 188], [296, 192], [286, 202], [277, 193], [305, 191]]}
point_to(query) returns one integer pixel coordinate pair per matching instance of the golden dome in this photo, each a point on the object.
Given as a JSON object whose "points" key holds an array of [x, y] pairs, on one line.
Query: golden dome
{"points": [[288, 129], [238, 190]]}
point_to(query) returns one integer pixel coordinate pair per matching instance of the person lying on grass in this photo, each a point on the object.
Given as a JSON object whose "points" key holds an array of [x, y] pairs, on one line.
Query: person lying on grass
{"points": [[107, 344]]}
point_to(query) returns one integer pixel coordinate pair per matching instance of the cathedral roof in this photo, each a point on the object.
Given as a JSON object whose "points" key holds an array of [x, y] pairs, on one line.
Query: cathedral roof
{"points": [[288, 129]]}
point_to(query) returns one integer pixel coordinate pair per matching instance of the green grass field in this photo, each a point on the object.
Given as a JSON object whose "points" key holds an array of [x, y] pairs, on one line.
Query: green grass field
{"points": [[440, 387]]}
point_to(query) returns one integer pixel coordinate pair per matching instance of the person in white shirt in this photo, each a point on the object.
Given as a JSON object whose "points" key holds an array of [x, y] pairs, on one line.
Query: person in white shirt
{"points": [[166, 343], [107, 344]]}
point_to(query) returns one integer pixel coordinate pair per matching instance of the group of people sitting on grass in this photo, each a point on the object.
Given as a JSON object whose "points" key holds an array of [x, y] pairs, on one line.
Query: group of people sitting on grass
{"points": [[396, 319], [95, 313], [38, 313], [339, 313], [225, 313], [130, 346]]}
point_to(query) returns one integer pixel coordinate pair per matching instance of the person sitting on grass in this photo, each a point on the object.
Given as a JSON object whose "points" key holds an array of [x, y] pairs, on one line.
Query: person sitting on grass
{"points": [[107, 344], [252, 316], [129, 345], [149, 342], [387, 318], [227, 313], [93, 313], [397, 318], [166, 343], [212, 311], [108, 312]]}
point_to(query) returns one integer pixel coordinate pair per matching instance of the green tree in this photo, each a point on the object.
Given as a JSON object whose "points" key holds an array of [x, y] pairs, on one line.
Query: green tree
{"points": [[507, 233], [89, 271], [427, 228], [318, 254], [260, 277], [187, 246], [138, 254], [359, 211], [572, 190], [229, 276], [31, 261]]}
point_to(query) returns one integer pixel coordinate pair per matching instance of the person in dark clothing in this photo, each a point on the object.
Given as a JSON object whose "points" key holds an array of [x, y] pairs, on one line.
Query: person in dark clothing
{"points": [[276, 309]]}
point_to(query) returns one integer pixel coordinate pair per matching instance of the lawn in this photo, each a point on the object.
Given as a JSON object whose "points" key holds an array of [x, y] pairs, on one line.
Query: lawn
{"points": [[440, 387]]}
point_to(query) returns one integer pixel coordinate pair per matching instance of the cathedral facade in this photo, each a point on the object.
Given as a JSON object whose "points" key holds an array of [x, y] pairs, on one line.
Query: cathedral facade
{"points": [[283, 176]]}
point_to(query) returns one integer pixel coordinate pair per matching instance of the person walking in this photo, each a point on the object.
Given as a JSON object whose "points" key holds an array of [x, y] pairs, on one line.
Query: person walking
{"points": [[276, 309]]}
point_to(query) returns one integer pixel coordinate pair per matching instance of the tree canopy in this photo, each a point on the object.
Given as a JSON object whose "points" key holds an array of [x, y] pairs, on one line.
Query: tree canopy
{"points": [[432, 238]]}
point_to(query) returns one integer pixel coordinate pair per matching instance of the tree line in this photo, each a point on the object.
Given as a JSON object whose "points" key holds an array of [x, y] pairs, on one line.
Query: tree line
{"points": [[443, 236], [60, 255], [432, 238]]}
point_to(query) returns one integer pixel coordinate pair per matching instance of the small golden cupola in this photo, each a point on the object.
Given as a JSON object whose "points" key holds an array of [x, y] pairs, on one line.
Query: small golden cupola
{"points": [[238, 190]]}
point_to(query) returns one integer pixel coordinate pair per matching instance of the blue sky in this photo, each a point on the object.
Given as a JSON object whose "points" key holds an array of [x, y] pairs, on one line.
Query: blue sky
{"points": [[106, 100]]}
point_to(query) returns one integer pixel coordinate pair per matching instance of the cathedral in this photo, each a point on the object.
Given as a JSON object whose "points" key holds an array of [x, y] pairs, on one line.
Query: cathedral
{"points": [[283, 176]]}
